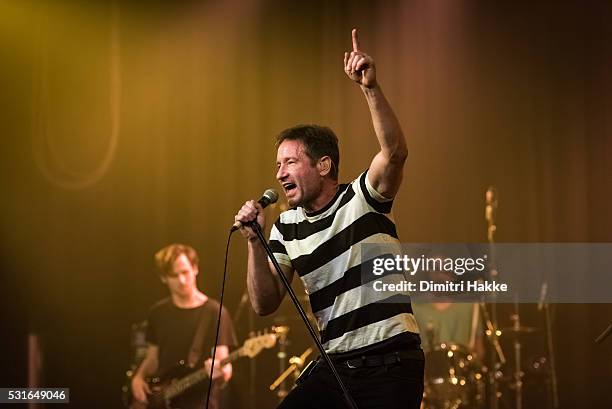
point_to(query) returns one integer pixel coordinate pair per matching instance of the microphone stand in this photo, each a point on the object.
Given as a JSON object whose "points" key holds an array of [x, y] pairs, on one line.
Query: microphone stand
{"points": [[347, 396]]}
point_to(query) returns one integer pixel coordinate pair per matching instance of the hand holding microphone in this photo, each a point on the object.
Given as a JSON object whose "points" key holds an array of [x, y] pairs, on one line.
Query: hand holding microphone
{"points": [[252, 211]]}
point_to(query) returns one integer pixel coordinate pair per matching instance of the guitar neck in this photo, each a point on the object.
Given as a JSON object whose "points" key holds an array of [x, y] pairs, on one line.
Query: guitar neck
{"points": [[179, 386]]}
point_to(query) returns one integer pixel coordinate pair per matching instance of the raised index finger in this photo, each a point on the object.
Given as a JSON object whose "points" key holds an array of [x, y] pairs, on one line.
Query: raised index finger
{"points": [[355, 40]]}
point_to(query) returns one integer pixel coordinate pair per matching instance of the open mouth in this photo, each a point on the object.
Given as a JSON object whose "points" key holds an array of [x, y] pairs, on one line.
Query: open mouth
{"points": [[289, 187]]}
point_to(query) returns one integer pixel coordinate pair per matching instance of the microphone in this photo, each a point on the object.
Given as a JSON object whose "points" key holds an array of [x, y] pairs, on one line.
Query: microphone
{"points": [[268, 197]]}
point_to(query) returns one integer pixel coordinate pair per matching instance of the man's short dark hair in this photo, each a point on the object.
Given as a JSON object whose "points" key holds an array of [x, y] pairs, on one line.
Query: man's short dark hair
{"points": [[318, 140], [165, 257]]}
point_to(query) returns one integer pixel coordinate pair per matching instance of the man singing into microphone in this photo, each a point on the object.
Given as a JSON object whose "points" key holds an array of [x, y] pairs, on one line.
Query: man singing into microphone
{"points": [[374, 345]]}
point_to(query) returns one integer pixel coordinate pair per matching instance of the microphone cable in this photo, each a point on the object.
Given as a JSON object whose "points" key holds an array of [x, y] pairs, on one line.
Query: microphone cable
{"points": [[214, 353], [269, 196]]}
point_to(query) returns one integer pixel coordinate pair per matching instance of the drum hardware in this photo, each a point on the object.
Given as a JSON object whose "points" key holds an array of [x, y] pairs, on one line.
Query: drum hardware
{"points": [[281, 331], [493, 333], [497, 358], [446, 386], [430, 333], [280, 386], [297, 363], [453, 378], [518, 372], [527, 377], [554, 391], [519, 330], [602, 337]]}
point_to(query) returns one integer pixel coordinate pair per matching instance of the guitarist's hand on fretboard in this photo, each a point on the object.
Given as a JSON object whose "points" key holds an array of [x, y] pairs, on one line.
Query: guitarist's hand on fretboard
{"points": [[218, 373]]}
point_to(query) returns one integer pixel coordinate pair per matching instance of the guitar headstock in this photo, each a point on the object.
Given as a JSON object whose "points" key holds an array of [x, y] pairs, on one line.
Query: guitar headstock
{"points": [[254, 345]]}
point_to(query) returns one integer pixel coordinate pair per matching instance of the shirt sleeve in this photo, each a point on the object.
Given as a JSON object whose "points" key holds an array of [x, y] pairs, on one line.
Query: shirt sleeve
{"points": [[277, 244], [151, 333], [374, 199], [152, 330], [227, 334]]}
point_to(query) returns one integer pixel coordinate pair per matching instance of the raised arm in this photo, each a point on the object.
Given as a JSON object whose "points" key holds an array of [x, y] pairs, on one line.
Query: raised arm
{"points": [[386, 171]]}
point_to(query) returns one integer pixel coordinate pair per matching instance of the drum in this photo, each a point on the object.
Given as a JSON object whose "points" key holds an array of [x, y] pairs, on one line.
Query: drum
{"points": [[453, 379]]}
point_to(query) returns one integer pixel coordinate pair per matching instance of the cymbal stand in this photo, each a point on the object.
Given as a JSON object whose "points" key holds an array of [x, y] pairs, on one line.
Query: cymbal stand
{"points": [[551, 355], [297, 363], [282, 332], [518, 372], [491, 320], [493, 334]]}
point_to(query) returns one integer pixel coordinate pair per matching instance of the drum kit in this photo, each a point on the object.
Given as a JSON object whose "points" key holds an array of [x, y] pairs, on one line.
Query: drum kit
{"points": [[455, 378]]}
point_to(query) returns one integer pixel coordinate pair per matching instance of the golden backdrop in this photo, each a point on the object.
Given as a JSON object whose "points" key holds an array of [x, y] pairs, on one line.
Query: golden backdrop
{"points": [[129, 125]]}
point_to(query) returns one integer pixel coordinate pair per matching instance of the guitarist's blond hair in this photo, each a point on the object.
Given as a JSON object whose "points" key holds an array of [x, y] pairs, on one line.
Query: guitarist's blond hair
{"points": [[165, 257]]}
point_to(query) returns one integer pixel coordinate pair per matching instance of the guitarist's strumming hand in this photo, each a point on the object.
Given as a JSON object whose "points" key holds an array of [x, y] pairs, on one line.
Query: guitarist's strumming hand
{"points": [[218, 373], [140, 389]]}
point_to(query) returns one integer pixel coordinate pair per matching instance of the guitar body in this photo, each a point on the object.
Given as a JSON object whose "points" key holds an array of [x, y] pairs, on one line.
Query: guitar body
{"points": [[184, 387], [193, 396]]}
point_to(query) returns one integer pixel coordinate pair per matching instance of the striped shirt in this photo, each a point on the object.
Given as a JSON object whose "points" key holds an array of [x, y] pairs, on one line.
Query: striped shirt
{"points": [[325, 249]]}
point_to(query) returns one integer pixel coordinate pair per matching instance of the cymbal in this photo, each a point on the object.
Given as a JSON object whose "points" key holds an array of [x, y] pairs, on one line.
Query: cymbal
{"points": [[520, 330]]}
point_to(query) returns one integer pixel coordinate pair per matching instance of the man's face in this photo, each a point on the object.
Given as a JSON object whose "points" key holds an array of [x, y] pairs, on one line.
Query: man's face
{"points": [[297, 175], [182, 280]]}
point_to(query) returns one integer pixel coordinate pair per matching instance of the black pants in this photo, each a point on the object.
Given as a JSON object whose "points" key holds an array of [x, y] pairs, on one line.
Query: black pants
{"points": [[397, 385]]}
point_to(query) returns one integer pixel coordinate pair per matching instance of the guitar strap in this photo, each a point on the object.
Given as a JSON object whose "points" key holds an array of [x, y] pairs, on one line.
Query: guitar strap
{"points": [[195, 352]]}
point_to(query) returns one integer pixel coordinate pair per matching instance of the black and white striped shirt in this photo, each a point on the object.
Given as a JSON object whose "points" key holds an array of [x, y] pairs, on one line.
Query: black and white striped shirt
{"points": [[325, 249]]}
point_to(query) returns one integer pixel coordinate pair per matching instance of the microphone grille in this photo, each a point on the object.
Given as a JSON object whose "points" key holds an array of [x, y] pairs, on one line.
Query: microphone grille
{"points": [[271, 195]]}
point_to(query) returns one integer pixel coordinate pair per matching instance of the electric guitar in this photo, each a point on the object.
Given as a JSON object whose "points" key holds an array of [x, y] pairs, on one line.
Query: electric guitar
{"points": [[181, 380]]}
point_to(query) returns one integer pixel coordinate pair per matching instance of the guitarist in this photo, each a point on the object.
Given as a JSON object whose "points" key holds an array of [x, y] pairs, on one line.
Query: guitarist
{"points": [[172, 327]]}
